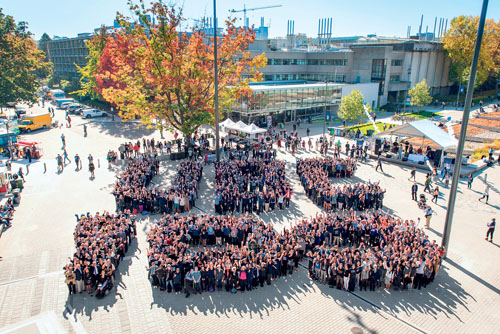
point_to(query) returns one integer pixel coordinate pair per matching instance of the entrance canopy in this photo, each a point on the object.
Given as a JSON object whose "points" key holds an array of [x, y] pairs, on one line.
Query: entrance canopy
{"points": [[422, 129]]}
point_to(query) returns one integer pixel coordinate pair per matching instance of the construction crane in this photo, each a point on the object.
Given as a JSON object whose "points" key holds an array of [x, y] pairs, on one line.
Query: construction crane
{"points": [[245, 9]]}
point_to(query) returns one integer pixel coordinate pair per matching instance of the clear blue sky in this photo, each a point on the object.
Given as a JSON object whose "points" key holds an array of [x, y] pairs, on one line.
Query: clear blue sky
{"points": [[352, 17]]}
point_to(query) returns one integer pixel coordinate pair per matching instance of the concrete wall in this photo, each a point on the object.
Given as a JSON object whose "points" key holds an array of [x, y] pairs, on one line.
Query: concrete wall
{"points": [[369, 91]]}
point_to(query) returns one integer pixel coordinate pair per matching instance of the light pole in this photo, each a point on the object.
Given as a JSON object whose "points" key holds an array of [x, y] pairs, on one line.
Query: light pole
{"points": [[216, 85], [463, 130], [406, 94], [324, 107]]}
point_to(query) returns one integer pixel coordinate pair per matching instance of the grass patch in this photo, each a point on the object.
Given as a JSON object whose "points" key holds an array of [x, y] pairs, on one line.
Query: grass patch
{"points": [[484, 151], [421, 114], [365, 127]]}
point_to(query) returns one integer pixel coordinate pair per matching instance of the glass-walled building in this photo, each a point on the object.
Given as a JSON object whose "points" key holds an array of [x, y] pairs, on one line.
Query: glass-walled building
{"points": [[287, 103]]}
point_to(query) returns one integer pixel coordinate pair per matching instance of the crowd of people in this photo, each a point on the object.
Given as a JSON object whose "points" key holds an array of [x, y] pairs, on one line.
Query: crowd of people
{"points": [[244, 184], [101, 241], [133, 191], [314, 175], [195, 254]]}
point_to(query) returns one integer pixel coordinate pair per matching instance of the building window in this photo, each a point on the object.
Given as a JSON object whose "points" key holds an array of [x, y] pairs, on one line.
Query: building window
{"points": [[378, 73], [395, 78], [396, 62]]}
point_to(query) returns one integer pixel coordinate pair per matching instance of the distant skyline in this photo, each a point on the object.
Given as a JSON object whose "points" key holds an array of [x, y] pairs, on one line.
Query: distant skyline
{"points": [[356, 17]]}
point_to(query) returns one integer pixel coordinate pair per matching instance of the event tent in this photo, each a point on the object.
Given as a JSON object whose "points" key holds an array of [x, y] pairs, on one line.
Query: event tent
{"points": [[228, 123], [423, 129], [253, 129]]}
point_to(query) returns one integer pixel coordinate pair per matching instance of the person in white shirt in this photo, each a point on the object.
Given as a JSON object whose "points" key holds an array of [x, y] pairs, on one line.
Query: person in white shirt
{"points": [[486, 194]]}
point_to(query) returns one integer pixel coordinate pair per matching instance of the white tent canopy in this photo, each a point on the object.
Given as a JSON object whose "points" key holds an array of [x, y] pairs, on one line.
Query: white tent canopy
{"points": [[422, 129], [253, 129], [227, 123]]}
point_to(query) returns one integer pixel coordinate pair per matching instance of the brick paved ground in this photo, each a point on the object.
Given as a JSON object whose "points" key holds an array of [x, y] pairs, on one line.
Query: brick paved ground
{"points": [[464, 297]]}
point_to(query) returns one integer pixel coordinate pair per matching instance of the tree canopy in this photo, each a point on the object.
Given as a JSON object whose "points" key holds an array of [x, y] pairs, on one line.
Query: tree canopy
{"points": [[154, 71], [352, 107], [420, 94], [20, 62], [459, 42]]}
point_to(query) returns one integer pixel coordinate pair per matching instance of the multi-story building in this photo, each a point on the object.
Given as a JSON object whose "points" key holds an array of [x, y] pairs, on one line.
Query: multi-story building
{"points": [[396, 64], [65, 52]]}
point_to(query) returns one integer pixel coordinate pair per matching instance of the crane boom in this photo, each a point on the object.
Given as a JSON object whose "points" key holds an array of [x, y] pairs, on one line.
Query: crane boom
{"points": [[245, 9]]}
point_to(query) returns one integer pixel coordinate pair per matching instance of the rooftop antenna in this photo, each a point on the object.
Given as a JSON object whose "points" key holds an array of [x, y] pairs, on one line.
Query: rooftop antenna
{"points": [[439, 29]]}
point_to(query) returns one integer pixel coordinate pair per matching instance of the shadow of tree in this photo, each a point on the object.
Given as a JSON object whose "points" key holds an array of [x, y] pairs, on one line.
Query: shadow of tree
{"points": [[128, 130]]}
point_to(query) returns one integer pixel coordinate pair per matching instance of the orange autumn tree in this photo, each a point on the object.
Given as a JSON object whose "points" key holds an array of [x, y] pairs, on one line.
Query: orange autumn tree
{"points": [[151, 70]]}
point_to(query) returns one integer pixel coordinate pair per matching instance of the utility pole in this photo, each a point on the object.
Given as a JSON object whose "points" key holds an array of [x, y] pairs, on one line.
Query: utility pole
{"points": [[465, 120], [216, 84]]}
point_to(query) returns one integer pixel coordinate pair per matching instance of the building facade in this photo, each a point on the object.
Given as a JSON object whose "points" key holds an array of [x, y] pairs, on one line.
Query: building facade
{"points": [[396, 64], [64, 53]]}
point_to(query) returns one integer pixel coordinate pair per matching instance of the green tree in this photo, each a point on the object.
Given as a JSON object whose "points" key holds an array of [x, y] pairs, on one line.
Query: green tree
{"points": [[352, 107], [459, 43], [420, 94], [20, 61], [88, 82]]}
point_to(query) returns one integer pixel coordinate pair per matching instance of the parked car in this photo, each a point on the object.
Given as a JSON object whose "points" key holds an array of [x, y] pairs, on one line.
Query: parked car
{"points": [[20, 110], [89, 113], [73, 106]]}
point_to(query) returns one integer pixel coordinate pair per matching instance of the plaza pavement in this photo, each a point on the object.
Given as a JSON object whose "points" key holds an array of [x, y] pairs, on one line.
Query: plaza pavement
{"points": [[463, 299]]}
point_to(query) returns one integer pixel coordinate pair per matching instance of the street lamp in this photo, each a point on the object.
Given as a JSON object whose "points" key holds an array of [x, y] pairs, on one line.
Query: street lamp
{"points": [[216, 85], [463, 130], [324, 107]]}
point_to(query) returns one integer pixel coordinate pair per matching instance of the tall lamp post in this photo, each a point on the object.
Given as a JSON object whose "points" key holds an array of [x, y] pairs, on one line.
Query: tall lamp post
{"points": [[324, 107], [463, 130], [216, 85], [406, 94]]}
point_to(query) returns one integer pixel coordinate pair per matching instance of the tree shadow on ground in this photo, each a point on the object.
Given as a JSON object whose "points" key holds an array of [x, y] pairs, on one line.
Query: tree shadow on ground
{"points": [[83, 304], [128, 130]]}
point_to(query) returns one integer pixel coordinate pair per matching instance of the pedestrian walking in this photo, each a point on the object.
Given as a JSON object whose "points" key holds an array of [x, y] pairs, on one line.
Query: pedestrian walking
{"points": [[84, 130], [63, 139], [60, 165], [78, 162], [469, 181], [491, 229], [69, 121], [379, 164], [486, 193], [92, 169], [428, 183], [414, 189], [428, 216], [435, 195], [65, 154], [413, 174]]}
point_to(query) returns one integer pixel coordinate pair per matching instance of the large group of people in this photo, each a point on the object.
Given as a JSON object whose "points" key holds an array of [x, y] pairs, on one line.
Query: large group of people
{"points": [[101, 241], [134, 192], [195, 254], [314, 175], [246, 184]]}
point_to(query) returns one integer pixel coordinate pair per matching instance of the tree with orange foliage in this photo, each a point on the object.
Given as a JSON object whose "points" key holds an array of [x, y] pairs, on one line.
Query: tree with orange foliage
{"points": [[153, 71]]}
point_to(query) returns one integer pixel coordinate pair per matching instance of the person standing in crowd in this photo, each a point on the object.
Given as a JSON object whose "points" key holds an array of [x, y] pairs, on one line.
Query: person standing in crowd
{"points": [[379, 164], [414, 189], [486, 194], [491, 229], [428, 216]]}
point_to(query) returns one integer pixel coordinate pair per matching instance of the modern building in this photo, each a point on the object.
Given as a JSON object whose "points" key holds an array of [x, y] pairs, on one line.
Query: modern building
{"points": [[65, 52], [290, 101], [396, 64]]}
